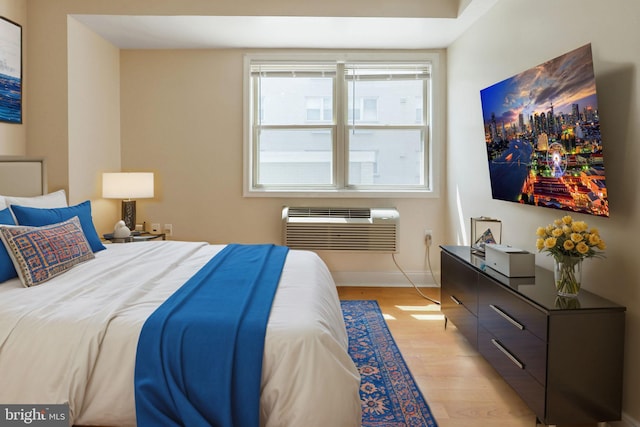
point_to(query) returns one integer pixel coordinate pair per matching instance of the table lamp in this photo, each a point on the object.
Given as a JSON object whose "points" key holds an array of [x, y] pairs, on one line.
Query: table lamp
{"points": [[127, 186]]}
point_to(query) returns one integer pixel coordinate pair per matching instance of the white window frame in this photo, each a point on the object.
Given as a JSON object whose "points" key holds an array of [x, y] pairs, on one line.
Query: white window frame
{"points": [[434, 140]]}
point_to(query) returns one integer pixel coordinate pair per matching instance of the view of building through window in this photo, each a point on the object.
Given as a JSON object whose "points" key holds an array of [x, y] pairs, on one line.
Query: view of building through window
{"points": [[297, 127], [306, 135]]}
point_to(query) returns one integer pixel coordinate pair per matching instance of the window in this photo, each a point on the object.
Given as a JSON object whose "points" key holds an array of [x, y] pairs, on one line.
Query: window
{"points": [[339, 126], [364, 109], [319, 108]]}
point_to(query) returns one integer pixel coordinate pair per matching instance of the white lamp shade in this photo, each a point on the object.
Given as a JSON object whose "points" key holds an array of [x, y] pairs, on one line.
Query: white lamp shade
{"points": [[127, 185]]}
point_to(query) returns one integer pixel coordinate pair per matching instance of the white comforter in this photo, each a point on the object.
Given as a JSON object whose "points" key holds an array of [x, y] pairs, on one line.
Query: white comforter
{"points": [[73, 339]]}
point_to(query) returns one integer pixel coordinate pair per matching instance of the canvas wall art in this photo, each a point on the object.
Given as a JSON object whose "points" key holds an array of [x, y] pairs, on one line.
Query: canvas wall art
{"points": [[542, 135], [10, 71]]}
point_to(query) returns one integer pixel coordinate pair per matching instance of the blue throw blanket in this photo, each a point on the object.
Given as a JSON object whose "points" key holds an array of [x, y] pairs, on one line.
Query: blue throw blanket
{"points": [[199, 357]]}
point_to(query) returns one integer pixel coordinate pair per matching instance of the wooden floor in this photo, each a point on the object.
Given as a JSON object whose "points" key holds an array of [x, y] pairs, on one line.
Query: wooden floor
{"points": [[460, 387]]}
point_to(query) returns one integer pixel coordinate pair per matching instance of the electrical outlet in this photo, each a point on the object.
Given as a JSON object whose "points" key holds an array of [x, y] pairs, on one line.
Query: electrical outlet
{"points": [[428, 237], [155, 227], [168, 229]]}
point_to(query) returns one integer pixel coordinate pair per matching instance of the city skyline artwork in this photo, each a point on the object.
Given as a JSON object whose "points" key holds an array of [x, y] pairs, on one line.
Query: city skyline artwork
{"points": [[542, 135]]}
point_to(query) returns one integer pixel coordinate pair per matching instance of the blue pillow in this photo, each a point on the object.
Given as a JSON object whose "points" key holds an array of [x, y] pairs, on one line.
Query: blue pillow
{"points": [[7, 270], [37, 217]]}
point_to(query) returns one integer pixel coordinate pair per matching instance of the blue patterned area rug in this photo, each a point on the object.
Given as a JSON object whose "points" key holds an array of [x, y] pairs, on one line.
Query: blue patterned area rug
{"points": [[389, 394]]}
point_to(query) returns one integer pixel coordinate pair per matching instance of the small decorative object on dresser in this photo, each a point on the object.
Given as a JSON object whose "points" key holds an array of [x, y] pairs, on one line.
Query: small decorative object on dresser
{"points": [[569, 242], [485, 230]]}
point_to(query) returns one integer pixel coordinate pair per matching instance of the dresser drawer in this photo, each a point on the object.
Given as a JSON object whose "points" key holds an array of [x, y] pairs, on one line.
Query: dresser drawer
{"points": [[460, 281], [459, 315], [513, 372], [526, 347], [494, 301]]}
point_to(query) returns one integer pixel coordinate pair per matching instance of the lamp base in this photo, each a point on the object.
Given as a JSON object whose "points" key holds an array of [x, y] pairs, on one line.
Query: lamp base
{"points": [[129, 213]]}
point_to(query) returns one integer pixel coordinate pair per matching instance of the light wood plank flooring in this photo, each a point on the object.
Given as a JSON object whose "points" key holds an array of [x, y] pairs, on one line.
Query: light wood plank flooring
{"points": [[460, 387]]}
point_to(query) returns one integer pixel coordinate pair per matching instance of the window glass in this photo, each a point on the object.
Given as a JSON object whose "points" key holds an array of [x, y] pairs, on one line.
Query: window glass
{"points": [[295, 157], [290, 100], [386, 157], [334, 125]]}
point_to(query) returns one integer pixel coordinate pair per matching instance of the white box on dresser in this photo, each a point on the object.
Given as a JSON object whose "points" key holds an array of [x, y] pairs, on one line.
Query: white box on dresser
{"points": [[512, 262]]}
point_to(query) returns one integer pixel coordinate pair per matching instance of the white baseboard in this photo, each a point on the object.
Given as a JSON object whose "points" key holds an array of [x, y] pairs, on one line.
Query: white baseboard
{"points": [[382, 278]]}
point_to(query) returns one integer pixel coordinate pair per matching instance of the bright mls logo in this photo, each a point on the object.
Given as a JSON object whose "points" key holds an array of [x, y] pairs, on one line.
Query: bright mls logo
{"points": [[34, 415]]}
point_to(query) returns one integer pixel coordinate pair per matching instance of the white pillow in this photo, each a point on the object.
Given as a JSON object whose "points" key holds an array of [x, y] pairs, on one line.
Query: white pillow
{"points": [[57, 199], [3, 204]]}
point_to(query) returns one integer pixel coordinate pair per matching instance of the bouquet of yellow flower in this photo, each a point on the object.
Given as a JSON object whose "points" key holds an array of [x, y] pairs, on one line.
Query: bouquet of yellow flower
{"points": [[566, 237]]}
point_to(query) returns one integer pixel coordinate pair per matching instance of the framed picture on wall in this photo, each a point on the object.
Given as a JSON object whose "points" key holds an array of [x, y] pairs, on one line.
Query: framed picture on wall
{"points": [[10, 71]]}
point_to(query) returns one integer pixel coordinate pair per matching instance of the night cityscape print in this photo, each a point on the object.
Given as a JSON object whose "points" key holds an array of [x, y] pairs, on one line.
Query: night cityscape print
{"points": [[543, 140]]}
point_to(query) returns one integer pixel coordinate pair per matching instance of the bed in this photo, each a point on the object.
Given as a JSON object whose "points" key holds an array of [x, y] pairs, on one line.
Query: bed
{"points": [[73, 338]]}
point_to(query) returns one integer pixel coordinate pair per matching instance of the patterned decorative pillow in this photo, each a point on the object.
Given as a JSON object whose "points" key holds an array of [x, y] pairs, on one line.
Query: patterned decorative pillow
{"points": [[41, 253]]}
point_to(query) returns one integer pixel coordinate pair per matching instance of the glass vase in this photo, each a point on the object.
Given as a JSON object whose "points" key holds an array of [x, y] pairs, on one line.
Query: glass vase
{"points": [[567, 272]]}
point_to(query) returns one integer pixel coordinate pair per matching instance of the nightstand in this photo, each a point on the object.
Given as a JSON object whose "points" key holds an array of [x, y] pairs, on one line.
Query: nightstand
{"points": [[136, 236]]}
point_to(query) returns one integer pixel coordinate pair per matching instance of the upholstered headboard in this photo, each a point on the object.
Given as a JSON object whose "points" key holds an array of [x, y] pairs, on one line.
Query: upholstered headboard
{"points": [[22, 176]]}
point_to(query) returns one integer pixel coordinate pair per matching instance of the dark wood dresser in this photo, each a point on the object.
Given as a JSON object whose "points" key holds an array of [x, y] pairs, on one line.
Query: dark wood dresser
{"points": [[564, 357]]}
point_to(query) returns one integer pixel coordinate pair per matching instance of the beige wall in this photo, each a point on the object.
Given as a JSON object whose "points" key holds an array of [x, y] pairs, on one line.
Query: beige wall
{"points": [[182, 118], [47, 111], [374, 8], [94, 119], [514, 36], [13, 139]]}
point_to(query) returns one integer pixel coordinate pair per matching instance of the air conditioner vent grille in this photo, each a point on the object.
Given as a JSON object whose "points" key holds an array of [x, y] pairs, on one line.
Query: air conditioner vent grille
{"points": [[341, 229], [330, 212]]}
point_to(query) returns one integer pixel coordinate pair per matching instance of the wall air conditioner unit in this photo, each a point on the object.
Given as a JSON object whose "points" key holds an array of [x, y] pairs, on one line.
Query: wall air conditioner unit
{"points": [[341, 229]]}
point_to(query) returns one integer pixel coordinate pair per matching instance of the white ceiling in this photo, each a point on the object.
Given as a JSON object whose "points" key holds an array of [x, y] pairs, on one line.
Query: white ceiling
{"points": [[206, 32]]}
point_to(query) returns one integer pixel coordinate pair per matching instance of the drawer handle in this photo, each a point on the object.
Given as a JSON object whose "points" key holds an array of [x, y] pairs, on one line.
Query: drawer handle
{"points": [[510, 319], [456, 300], [507, 353]]}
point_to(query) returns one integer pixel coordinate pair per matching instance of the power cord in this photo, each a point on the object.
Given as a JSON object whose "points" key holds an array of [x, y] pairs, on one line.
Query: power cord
{"points": [[427, 256], [428, 259]]}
